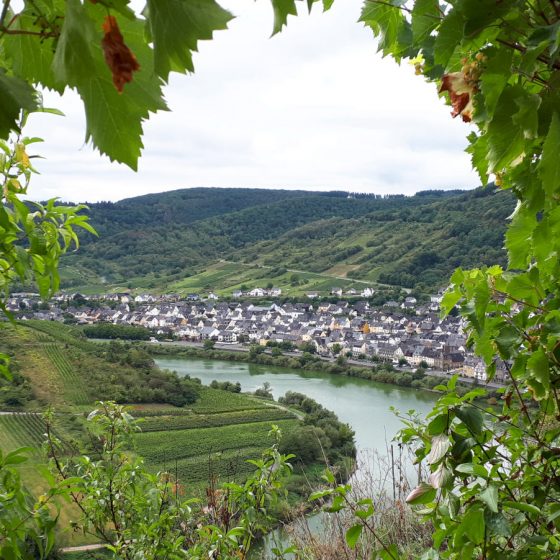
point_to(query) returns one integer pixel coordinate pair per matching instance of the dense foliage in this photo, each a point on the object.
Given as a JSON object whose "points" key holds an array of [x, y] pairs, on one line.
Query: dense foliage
{"points": [[111, 331], [65, 373], [323, 437], [406, 241]]}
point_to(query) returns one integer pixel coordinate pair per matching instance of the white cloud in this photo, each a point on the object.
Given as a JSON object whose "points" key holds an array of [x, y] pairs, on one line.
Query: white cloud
{"points": [[314, 107]]}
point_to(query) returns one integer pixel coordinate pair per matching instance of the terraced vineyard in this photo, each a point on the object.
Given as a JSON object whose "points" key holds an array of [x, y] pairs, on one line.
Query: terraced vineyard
{"points": [[62, 333], [216, 438], [188, 422], [203, 441], [228, 465], [197, 453], [21, 430], [212, 437], [214, 401], [73, 383]]}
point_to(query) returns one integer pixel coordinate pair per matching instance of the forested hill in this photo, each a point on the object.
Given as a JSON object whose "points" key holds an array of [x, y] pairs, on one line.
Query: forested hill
{"points": [[155, 241]]}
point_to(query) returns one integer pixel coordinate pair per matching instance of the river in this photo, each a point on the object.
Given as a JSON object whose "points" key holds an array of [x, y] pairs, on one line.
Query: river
{"points": [[365, 405]]}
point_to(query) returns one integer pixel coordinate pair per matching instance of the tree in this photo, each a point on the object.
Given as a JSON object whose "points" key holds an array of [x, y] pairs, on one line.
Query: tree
{"points": [[209, 344], [264, 391], [308, 347]]}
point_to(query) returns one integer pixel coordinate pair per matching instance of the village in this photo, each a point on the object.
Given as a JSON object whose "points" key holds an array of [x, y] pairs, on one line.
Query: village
{"points": [[407, 334]]}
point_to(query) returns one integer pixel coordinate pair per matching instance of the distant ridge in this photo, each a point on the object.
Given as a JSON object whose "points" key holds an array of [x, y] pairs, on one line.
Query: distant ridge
{"points": [[154, 241]]}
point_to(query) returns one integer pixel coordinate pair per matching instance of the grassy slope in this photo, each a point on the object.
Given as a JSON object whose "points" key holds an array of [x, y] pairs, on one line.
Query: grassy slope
{"points": [[170, 241], [215, 435]]}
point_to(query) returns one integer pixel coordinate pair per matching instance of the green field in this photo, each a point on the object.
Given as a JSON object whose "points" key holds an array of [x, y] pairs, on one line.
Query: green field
{"points": [[210, 438], [221, 451], [21, 430], [215, 436], [225, 277], [73, 385], [187, 422]]}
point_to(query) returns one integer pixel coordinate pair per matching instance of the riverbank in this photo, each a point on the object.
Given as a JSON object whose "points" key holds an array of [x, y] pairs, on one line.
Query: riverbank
{"points": [[381, 372]]}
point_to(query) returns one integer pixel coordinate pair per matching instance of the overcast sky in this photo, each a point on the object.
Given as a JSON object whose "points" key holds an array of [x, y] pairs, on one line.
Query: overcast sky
{"points": [[312, 108]]}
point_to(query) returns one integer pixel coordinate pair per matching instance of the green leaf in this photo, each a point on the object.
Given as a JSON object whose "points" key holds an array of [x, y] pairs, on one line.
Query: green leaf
{"points": [[15, 95], [549, 166], [31, 59], [114, 121], [497, 71], [478, 149], [524, 286], [479, 14], [319, 495], [497, 524], [120, 6], [538, 368], [506, 140], [425, 18], [473, 469], [38, 242], [353, 534], [527, 116], [17, 456], [472, 418], [518, 237], [521, 506], [282, 9], [450, 300], [507, 341], [473, 525], [386, 22], [438, 425], [73, 60], [449, 36], [176, 26], [490, 497]]}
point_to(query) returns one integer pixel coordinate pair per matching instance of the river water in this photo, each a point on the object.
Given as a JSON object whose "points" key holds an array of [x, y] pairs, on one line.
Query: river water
{"points": [[365, 405]]}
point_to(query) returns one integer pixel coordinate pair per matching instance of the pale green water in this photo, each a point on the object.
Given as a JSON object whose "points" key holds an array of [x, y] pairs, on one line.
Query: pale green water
{"points": [[362, 404]]}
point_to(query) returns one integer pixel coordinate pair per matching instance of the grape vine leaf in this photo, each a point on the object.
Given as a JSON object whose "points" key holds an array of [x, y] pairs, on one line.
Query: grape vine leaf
{"points": [[505, 139], [518, 236], [425, 18], [113, 120], [15, 95], [496, 74], [389, 25], [282, 9], [176, 26], [73, 60], [549, 166], [29, 62], [450, 29]]}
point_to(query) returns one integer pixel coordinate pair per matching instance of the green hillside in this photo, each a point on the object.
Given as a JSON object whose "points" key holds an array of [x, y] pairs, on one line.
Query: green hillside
{"points": [[212, 436], [161, 242]]}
